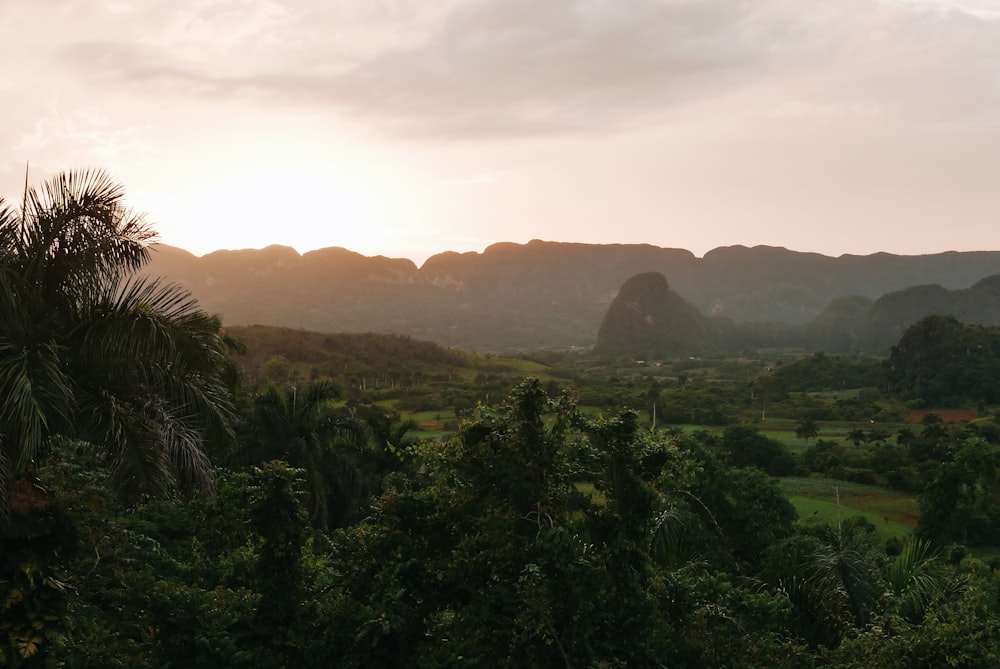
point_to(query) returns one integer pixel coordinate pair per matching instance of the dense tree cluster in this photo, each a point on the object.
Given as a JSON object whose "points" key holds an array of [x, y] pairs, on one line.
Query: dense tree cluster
{"points": [[821, 371], [536, 537], [941, 362]]}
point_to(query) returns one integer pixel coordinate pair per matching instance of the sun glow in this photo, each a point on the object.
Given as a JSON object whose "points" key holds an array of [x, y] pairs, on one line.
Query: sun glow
{"points": [[305, 207]]}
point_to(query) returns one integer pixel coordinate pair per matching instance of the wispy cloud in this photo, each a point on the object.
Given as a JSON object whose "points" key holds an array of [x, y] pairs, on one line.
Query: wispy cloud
{"points": [[529, 67], [714, 112]]}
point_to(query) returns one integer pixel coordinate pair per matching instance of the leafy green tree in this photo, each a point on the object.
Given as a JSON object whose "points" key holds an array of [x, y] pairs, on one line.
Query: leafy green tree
{"points": [[821, 371], [277, 370], [164, 583], [933, 427], [280, 519], [745, 446], [489, 554], [742, 511], [230, 579], [825, 455], [878, 436], [942, 362], [888, 458], [961, 503], [959, 630], [32, 588]]}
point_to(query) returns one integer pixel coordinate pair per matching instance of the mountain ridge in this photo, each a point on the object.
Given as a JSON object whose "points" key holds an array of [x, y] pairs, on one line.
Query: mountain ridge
{"points": [[540, 294]]}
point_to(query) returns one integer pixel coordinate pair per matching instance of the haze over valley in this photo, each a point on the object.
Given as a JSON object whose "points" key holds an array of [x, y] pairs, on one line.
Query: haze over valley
{"points": [[522, 297]]}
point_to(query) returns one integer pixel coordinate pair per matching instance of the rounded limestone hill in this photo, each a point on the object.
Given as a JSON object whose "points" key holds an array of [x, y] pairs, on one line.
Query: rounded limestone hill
{"points": [[647, 321]]}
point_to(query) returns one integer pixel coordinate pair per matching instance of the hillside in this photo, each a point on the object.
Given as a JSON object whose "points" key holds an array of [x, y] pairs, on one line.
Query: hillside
{"points": [[891, 314], [649, 320], [539, 294], [285, 354]]}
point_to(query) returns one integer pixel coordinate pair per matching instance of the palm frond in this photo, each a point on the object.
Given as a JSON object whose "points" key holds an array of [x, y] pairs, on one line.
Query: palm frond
{"points": [[158, 334], [183, 445], [137, 317], [10, 221], [37, 396], [915, 577], [845, 574], [669, 531], [6, 478], [343, 430], [131, 444], [76, 226]]}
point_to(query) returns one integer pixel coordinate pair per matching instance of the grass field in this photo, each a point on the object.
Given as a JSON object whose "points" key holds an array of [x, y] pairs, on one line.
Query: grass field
{"points": [[783, 431], [893, 513], [431, 424]]}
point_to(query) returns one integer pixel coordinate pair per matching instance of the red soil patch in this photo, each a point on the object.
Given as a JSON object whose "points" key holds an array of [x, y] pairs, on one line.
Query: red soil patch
{"points": [[947, 415], [432, 426]]}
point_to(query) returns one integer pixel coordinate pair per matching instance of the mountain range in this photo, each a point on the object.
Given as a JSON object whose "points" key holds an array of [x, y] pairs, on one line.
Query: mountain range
{"points": [[649, 320], [555, 295]]}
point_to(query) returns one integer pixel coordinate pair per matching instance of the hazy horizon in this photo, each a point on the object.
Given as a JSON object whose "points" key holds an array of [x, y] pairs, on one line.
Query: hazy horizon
{"points": [[404, 128], [419, 261]]}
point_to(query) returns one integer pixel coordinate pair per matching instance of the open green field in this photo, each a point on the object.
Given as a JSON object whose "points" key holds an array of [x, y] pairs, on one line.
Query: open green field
{"points": [[431, 424], [893, 513], [783, 431]]}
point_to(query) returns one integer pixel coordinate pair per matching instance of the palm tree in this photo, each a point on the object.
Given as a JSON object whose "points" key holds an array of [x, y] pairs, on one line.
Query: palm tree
{"points": [[91, 350], [297, 425], [388, 438], [806, 428], [917, 577], [831, 577], [845, 572]]}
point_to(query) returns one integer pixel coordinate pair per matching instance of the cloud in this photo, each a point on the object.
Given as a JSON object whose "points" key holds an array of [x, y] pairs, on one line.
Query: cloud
{"points": [[528, 66], [507, 68]]}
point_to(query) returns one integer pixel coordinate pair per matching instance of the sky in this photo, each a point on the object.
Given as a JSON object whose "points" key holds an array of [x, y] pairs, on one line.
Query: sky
{"points": [[409, 127]]}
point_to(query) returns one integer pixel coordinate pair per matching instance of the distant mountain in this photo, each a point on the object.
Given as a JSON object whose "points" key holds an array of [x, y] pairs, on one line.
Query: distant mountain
{"points": [[892, 314], [539, 294], [648, 320], [839, 328]]}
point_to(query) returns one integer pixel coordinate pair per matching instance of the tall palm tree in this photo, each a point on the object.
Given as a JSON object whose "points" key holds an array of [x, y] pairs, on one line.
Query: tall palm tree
{"points": [[91, 350], [297, 425]]}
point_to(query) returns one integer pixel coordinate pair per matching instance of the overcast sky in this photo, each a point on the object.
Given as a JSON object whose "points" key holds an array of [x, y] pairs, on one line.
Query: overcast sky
{"points": [[410, 127]]}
